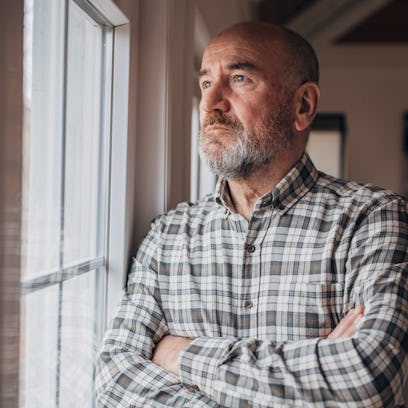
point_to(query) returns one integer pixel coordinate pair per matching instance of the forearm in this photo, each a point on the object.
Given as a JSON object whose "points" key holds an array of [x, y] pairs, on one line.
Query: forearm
{"points": [[314, 371], [140, 383], [124, 371], [125, 374], [125, 379]]}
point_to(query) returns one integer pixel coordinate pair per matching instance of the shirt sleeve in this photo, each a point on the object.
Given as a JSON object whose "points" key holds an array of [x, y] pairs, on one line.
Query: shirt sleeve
{"points": [[365, 370], [125, 374]]}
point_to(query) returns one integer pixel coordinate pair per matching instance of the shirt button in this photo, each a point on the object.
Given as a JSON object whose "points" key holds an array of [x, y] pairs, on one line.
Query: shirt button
{"points": [[266, 202], [280, 206], [251, 248], [248, 304], [193, 388]]}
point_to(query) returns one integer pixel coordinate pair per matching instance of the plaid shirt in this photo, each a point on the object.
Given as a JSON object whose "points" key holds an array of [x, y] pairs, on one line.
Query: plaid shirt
{"points": [[260, 297]]}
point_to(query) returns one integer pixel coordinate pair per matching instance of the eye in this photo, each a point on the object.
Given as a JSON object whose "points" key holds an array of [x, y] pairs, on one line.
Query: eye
{"points": [[205, 84], [239, 78]]}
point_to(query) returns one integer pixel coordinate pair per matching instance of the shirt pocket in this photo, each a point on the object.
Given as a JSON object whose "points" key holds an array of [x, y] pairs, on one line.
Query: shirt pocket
{"points": [[307, 310]]}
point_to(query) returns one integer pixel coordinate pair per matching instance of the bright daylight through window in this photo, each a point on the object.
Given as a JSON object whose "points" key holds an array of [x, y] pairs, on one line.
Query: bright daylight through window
{"points": [[67, 82]]}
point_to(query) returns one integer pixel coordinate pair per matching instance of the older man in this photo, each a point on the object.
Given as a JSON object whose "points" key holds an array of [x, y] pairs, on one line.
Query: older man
{"points": [[286, 287]]}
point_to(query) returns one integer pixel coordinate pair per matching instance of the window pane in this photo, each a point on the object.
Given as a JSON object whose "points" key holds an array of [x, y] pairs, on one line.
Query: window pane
{"points": [[202, 180], [43, 84], [39, 349], [324, 148], [78, 341], [83, 163]]}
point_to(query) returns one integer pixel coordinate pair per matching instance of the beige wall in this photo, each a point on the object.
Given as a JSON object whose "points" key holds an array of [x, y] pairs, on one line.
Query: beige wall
{"points": [[370, 86], [219, 14]]}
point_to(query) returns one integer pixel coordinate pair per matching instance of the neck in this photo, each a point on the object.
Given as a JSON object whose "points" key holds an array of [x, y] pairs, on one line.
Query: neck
{"points": [[246, 192]]}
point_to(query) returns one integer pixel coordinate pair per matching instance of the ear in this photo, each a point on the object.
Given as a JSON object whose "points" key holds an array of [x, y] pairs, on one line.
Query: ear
{"points": [[306, 100]]}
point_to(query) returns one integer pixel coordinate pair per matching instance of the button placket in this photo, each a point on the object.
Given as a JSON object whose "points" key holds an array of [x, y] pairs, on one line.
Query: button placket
{"points": [[252, 250]]}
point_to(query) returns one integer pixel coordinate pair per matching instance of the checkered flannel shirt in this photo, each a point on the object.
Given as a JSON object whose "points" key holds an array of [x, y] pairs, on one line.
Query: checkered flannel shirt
{"points": [[260, 297]]}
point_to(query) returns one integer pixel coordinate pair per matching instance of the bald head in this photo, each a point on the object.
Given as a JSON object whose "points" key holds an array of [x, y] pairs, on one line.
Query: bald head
{"points": [[293, 53]]}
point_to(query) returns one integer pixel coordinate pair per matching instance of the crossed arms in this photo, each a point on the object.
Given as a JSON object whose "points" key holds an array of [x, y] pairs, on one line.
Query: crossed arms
{"points": [[167, 352]]}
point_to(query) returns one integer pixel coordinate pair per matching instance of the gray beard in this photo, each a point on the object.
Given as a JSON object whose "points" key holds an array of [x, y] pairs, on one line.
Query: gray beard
{"points": [[251, 151]]}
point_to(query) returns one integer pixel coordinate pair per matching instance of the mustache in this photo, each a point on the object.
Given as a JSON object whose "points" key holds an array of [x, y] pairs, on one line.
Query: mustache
{"points": [[218, 118]]}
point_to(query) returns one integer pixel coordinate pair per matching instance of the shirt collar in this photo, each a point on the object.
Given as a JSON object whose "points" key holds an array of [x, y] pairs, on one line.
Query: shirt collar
{"points": [[297, 182]]}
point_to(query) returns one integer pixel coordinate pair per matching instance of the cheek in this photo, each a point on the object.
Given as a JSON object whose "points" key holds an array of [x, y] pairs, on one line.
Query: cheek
{"points": [[255, 108], [253, 115], [246, 112]]}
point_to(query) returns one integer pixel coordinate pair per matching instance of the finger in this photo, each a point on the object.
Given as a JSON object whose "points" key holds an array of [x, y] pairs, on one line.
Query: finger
{"points": [[341, 330], [347, 325], [359, 309]]}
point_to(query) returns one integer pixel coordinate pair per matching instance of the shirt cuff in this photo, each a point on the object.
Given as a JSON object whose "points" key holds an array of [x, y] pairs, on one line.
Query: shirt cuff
{"points": [[200, 361]]}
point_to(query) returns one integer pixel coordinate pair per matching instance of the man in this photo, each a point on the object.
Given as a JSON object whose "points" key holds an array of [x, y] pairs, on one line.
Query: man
{"points": [[286, 287]]}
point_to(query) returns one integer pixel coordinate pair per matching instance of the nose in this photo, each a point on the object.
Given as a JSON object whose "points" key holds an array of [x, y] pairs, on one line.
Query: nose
{"points": [[215, 98]]}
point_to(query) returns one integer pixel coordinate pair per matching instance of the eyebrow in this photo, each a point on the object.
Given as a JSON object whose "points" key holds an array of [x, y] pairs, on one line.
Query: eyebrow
{"points": [[244, 65]]}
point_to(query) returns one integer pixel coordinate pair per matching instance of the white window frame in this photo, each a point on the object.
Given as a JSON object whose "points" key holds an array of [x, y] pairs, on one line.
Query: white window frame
{"points": [[121, 175]]}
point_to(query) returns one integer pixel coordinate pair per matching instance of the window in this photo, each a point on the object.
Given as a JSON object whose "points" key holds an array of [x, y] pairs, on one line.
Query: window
{"points": [[326, 143], [203, 181], [68, 65]]}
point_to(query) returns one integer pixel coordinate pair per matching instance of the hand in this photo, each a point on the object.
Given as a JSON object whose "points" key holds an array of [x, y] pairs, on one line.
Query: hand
{"points": [[348, 325], [167, 352]]}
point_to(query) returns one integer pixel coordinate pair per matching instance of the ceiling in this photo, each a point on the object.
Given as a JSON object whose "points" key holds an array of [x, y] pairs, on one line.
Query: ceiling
{"points": [[281, 11], [387, 25], [382, 23]]}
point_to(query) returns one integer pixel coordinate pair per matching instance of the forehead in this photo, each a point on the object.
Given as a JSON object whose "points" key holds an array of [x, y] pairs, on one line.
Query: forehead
{"points": [[229, 50]]}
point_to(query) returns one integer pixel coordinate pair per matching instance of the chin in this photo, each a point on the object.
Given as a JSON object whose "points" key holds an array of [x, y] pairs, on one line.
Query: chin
{"points": [[211, 146]]}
